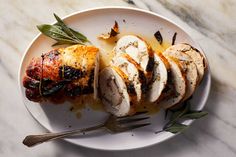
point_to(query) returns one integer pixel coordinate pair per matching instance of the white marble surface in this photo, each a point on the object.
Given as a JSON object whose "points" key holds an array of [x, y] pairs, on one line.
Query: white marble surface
{"points": [[212, 23]]}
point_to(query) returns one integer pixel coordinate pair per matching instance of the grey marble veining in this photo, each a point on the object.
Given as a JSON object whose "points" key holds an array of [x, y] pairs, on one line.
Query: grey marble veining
{"points": [[211, 23]]}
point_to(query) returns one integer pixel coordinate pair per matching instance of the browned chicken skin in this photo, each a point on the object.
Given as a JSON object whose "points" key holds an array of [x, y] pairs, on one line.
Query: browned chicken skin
{"points": [[66, 71]]}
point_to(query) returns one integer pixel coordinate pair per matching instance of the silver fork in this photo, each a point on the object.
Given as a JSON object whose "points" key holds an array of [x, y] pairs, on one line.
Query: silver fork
{"points": [[112, 124]]}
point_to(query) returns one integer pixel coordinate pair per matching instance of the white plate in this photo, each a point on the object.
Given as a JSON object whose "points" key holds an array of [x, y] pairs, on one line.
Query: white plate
{"points": [[91, 23]]}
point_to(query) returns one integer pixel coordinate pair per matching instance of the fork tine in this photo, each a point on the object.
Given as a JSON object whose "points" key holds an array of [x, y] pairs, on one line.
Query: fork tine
{"points": [[129, 120], [131, 127], [136, 114]]}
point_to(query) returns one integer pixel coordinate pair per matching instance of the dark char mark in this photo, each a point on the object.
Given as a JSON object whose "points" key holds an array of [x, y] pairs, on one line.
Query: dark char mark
{"points": [[130, 88], [169, 90], [150, 64], [70, 73], [53, 88], [79, 90], [143, 80], [74, 90]]}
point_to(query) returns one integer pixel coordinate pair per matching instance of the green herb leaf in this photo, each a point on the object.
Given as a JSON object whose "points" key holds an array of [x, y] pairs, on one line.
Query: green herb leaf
{"points": [[178, 114], [79, 35], [69, 31], [61, 33], [64, 27], [174, 125], [175, 128], [195, 114], [54, 32]]}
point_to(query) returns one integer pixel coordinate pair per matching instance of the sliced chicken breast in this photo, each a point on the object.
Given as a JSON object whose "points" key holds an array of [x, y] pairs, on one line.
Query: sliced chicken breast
{"points": [[131, 73], [159, 79], [175, 89], [113, 92], [141, 73], [196, 56], [136, 48], [188, 65], [141, 55]]}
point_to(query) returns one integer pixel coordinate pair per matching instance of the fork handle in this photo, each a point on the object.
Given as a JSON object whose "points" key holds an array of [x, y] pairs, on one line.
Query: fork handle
{"points": [[32, 140]]}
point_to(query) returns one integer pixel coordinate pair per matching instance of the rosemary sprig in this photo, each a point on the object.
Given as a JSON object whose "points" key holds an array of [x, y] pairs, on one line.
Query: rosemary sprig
{"points": [[62, 33]]}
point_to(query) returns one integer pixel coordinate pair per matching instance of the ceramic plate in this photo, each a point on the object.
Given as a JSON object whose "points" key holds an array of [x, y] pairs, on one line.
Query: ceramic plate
{"points": [[92, 22]]}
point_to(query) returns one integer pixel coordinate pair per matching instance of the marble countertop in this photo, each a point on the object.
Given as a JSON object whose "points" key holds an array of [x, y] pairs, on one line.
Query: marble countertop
{"points": [[211, 23]]}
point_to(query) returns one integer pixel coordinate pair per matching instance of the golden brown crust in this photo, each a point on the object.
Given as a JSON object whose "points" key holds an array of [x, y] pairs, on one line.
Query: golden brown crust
{"points": [[70, 69]]}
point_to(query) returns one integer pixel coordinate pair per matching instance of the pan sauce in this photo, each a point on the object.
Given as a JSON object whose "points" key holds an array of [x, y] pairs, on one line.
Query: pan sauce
{"points": [[106, 55]]}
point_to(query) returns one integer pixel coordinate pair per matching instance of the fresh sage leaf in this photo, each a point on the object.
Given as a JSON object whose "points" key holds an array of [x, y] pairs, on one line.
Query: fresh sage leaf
{"points": [[69, 31], [175, 128], [195, 114], [53, 32], [174, 125], [61, 33], [63, 26], [79, 35], [178, 114]]}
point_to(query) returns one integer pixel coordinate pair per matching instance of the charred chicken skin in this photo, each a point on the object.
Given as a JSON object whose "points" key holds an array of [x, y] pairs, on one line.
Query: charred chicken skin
{"points": [[70, 71]]}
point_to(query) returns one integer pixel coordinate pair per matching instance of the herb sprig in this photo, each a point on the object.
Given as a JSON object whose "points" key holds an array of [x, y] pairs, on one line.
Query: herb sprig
{"points": [[62, 33], [178, 116]]}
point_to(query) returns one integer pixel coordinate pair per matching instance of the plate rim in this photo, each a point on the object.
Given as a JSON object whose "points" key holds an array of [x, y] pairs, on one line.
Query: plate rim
{"points": [[187, 122]]}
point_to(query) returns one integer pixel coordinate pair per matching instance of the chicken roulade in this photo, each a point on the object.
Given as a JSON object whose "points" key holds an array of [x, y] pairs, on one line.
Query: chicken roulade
{"points": [[70, 71]]}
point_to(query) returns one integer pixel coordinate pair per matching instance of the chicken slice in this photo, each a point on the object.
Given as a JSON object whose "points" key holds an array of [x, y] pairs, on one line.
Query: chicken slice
{"points": [[188, 65], [196, 56], [113, 92], [159, 79], [131, 73], [141, 54], [175, 89]]}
